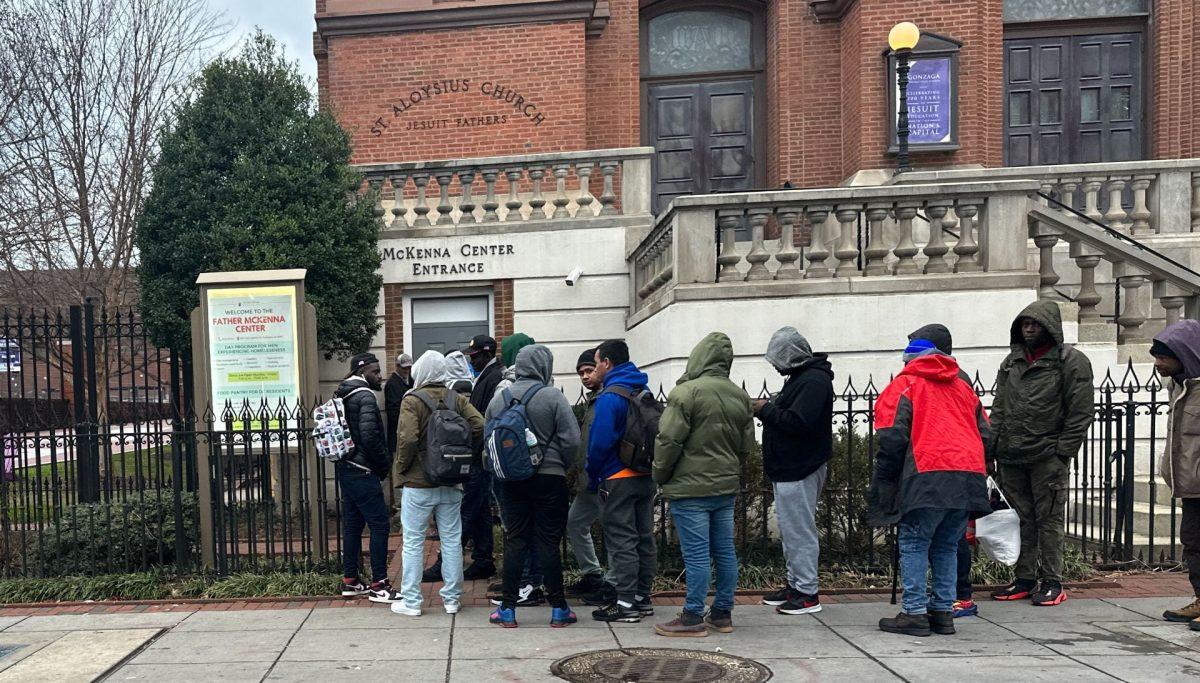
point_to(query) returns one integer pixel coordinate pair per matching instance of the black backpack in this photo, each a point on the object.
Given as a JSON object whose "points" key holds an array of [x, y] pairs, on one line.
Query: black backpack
{"points": [[449, 455], [636, 449]]}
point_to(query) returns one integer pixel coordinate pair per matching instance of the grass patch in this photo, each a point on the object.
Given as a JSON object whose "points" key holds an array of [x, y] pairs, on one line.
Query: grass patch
{"points": [[163, 585]]}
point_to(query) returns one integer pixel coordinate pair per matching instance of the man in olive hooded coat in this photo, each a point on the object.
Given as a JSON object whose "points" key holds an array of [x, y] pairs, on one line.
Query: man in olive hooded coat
{"points": [[1044, 405], [706, 432]]}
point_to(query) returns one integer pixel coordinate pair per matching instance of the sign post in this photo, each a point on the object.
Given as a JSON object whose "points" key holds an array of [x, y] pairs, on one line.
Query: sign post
{"points": [[255, 358]]}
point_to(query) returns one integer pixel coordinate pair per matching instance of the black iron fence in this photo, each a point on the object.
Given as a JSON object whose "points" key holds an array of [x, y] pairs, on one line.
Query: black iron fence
{"points": [[1118, 510], [108, 467]]}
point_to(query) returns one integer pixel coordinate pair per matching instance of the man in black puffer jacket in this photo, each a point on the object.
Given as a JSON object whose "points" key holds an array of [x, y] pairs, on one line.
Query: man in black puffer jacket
{"points": [[359, 475], [797, 445]]}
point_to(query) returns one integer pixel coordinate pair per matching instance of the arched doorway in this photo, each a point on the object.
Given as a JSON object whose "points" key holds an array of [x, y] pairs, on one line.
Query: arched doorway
{"points": [[703, 94]]}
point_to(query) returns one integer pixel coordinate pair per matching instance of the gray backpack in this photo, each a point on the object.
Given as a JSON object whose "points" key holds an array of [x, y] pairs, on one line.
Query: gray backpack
{"points": [[449, 453]]}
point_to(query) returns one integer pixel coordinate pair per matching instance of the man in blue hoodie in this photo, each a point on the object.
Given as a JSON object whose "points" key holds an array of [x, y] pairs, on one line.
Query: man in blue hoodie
{"points": [[626, 496]]}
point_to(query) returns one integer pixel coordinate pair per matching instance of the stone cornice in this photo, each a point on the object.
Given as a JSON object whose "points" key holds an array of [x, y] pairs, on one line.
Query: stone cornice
{"points": [[830, 10], [595, 14]]}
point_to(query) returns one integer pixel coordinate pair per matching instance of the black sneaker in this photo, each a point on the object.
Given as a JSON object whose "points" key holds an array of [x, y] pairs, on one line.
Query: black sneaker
{"points": [[800, 603], [528, 596], [616, 612], [356, 588], [382, 591], [478, 571], [495, 586], [644, 607], [778, 597], [586, 585], [433, 574], [1048, 594], [1017, 590], [606, 595]]}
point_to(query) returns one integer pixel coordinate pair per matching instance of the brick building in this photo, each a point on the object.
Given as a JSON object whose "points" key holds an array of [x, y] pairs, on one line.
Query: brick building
{"points": [[512, 141]]}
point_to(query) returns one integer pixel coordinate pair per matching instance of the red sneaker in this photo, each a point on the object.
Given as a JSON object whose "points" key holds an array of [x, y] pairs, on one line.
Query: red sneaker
{"points": [[1017, 590], [1050, 593]]}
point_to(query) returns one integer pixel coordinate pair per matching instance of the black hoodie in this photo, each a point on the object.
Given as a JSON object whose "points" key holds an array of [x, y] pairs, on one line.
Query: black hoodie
{"points": [[798, 422]]}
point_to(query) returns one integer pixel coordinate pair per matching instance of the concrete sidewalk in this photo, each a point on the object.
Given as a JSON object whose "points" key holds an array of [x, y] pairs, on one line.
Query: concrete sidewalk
{"points": [[1081, 640]]}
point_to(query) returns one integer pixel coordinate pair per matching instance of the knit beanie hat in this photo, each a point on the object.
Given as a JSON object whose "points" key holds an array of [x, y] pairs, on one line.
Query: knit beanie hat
{"points": [[587, 359]]}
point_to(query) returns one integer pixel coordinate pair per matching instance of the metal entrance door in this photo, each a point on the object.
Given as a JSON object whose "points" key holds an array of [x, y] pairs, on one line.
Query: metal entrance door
{"points": [[1073, 99], [446, 324]]}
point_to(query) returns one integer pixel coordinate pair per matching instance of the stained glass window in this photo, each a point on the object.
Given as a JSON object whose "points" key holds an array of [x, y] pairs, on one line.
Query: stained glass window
{"points": [[699, 41]]}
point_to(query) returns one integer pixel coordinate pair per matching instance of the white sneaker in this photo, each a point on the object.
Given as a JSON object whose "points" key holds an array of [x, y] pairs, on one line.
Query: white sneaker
{"points": [[452, 607], [401, 608]]}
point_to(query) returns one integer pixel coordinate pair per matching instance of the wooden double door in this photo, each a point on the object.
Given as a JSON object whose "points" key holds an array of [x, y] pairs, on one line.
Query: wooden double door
{"points": [[1073, 99], [704, 135]]}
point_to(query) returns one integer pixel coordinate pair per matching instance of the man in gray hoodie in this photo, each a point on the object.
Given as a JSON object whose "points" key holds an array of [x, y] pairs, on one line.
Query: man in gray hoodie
{"points": [[535, 509]]}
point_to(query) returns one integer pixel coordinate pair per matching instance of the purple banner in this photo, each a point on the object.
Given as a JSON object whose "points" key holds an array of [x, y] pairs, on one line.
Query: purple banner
{"points": [[929, 101]]}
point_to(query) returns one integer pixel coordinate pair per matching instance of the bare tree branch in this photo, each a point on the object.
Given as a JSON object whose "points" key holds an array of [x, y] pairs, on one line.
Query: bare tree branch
{"points": [[92, 86]]}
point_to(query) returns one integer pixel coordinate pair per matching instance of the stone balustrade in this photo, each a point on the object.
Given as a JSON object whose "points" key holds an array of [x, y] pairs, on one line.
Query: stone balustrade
{"points": [[1146, 278], [1134, 197], [511, 189], [836, 233]]}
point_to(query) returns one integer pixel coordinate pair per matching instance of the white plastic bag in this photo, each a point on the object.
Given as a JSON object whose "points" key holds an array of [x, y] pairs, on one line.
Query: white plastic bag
{"points": [[999, 534]]}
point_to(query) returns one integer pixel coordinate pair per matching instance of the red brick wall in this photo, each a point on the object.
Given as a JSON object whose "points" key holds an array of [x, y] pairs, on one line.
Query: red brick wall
{"points": [[1174, 37], [367, 75], [826, 106], [804, 105], [613, 80], [975, 23]]}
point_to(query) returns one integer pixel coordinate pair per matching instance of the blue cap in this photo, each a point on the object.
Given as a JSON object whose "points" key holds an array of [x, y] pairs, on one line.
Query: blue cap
{"points": [[918, 346]]}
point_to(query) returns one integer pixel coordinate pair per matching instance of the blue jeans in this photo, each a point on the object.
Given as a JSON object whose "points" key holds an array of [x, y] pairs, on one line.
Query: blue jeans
{"points": [[362, 506], [928, 539], [416, 507], [705, 527]]}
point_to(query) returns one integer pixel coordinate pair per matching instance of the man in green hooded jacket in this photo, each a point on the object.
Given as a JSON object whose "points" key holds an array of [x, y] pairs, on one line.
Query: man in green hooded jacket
{"points": [[706, 433], [1040, 418]]}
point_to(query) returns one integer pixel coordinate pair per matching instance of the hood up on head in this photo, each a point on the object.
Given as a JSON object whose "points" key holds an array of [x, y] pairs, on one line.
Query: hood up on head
{"points": [[1046, 314], [787, 350], [537, 363], [1183, 339], [932, 365], [429, 370], [938, 334], [712, 356], [458, 367], [511, 345]]}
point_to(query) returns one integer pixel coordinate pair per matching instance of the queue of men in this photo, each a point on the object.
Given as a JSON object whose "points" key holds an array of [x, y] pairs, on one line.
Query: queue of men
{"points": [[515, 438]]}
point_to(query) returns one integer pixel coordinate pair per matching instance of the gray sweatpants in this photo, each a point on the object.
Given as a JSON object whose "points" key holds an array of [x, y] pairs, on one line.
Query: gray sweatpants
{"points": [[627, 517], [796, 509], [585, 511]]}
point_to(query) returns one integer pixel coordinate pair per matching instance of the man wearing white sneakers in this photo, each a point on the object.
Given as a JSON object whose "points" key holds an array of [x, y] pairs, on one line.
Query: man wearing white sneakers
{"points": [[421, 499]]}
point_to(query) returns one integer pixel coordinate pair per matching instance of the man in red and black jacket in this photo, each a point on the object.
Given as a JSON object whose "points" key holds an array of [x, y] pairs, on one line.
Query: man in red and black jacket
{"points": [[929, 478]]}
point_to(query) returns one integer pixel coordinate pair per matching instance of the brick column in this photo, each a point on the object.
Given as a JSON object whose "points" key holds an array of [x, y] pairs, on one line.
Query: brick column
{"points": [[502, 313], [393, 322]]}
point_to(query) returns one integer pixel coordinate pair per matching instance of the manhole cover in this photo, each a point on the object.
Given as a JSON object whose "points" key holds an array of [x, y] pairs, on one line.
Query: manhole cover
{"points": [[658, 665]]}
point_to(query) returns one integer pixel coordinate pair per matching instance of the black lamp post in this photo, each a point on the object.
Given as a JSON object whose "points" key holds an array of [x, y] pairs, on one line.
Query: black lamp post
{"points": [[902, 39]]}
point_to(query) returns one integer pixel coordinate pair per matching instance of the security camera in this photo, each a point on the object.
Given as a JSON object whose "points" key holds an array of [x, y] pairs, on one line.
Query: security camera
{"points": [[574, 276]]}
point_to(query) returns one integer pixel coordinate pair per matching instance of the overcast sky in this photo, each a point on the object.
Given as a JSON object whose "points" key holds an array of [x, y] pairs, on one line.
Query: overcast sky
{"points": [[290, 21]]}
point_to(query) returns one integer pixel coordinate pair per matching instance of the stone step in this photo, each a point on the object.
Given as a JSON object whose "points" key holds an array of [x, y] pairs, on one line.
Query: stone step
{"points": [[1092, 513]]}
